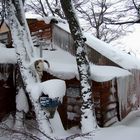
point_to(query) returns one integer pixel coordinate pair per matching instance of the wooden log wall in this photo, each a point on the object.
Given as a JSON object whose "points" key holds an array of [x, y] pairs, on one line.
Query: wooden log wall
{"points": [[106, 103], [40, 30]]}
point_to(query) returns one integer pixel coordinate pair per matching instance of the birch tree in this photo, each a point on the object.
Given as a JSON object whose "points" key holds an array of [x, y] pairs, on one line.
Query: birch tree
{"points": [[87, 118], [25, 58]]}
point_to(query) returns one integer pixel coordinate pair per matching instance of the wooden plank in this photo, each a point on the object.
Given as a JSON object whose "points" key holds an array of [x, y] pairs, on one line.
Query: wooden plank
{"points": [[39, 25], [38, 28]]}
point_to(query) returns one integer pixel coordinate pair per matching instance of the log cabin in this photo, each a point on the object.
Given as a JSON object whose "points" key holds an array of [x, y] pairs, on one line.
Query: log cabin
{"points": [[115, 82]]}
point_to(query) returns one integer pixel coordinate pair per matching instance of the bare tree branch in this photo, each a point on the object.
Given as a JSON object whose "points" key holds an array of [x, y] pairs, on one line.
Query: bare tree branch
{"points": [[125, 22], [42, 7], [48, 4]]}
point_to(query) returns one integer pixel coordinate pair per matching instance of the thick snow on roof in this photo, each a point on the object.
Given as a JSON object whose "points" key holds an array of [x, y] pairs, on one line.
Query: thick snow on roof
{"points": [[106, 73], [114, 54], [33, 16], [63, 65], [119, 57], [54, 88]]}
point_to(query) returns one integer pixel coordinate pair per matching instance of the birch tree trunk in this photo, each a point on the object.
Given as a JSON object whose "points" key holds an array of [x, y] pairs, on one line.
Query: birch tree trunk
{"points": [[87, 119], [25, 55]]}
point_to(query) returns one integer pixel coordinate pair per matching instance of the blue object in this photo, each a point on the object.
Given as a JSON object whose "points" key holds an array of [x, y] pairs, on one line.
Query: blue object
{"points": [[47, 102]]}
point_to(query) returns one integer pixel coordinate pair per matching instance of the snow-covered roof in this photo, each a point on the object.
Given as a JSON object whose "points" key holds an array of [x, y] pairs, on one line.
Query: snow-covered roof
{"points": [[114, 54], [63, 65], [33, 16], [47, 20], [106, 73]]}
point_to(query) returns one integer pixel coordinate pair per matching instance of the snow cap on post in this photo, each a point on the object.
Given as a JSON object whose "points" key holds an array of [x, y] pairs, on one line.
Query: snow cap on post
{"points": [[54, 88]]}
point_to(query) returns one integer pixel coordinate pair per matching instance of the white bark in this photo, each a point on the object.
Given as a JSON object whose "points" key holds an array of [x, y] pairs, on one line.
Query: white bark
{"points": [[23, 49], [87, 119]]}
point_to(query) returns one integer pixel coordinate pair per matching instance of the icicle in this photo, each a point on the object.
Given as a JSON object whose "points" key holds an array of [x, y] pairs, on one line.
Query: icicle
{"points": [[113, 91], [135, 89], [123, 88]]}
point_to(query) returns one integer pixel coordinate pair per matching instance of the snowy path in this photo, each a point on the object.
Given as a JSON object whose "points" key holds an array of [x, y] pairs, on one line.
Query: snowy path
{"points": [[128, 129], [57, 125], [118, 133]]}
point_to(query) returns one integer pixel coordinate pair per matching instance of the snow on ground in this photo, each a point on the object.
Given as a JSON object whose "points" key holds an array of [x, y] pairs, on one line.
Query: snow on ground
{"points": [[127, 129]]}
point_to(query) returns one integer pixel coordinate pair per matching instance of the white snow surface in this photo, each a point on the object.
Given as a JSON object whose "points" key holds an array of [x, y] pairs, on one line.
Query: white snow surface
{"points": [[22, 101], [7, 55], [54, 88], [106, 73], [33, 16]]}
